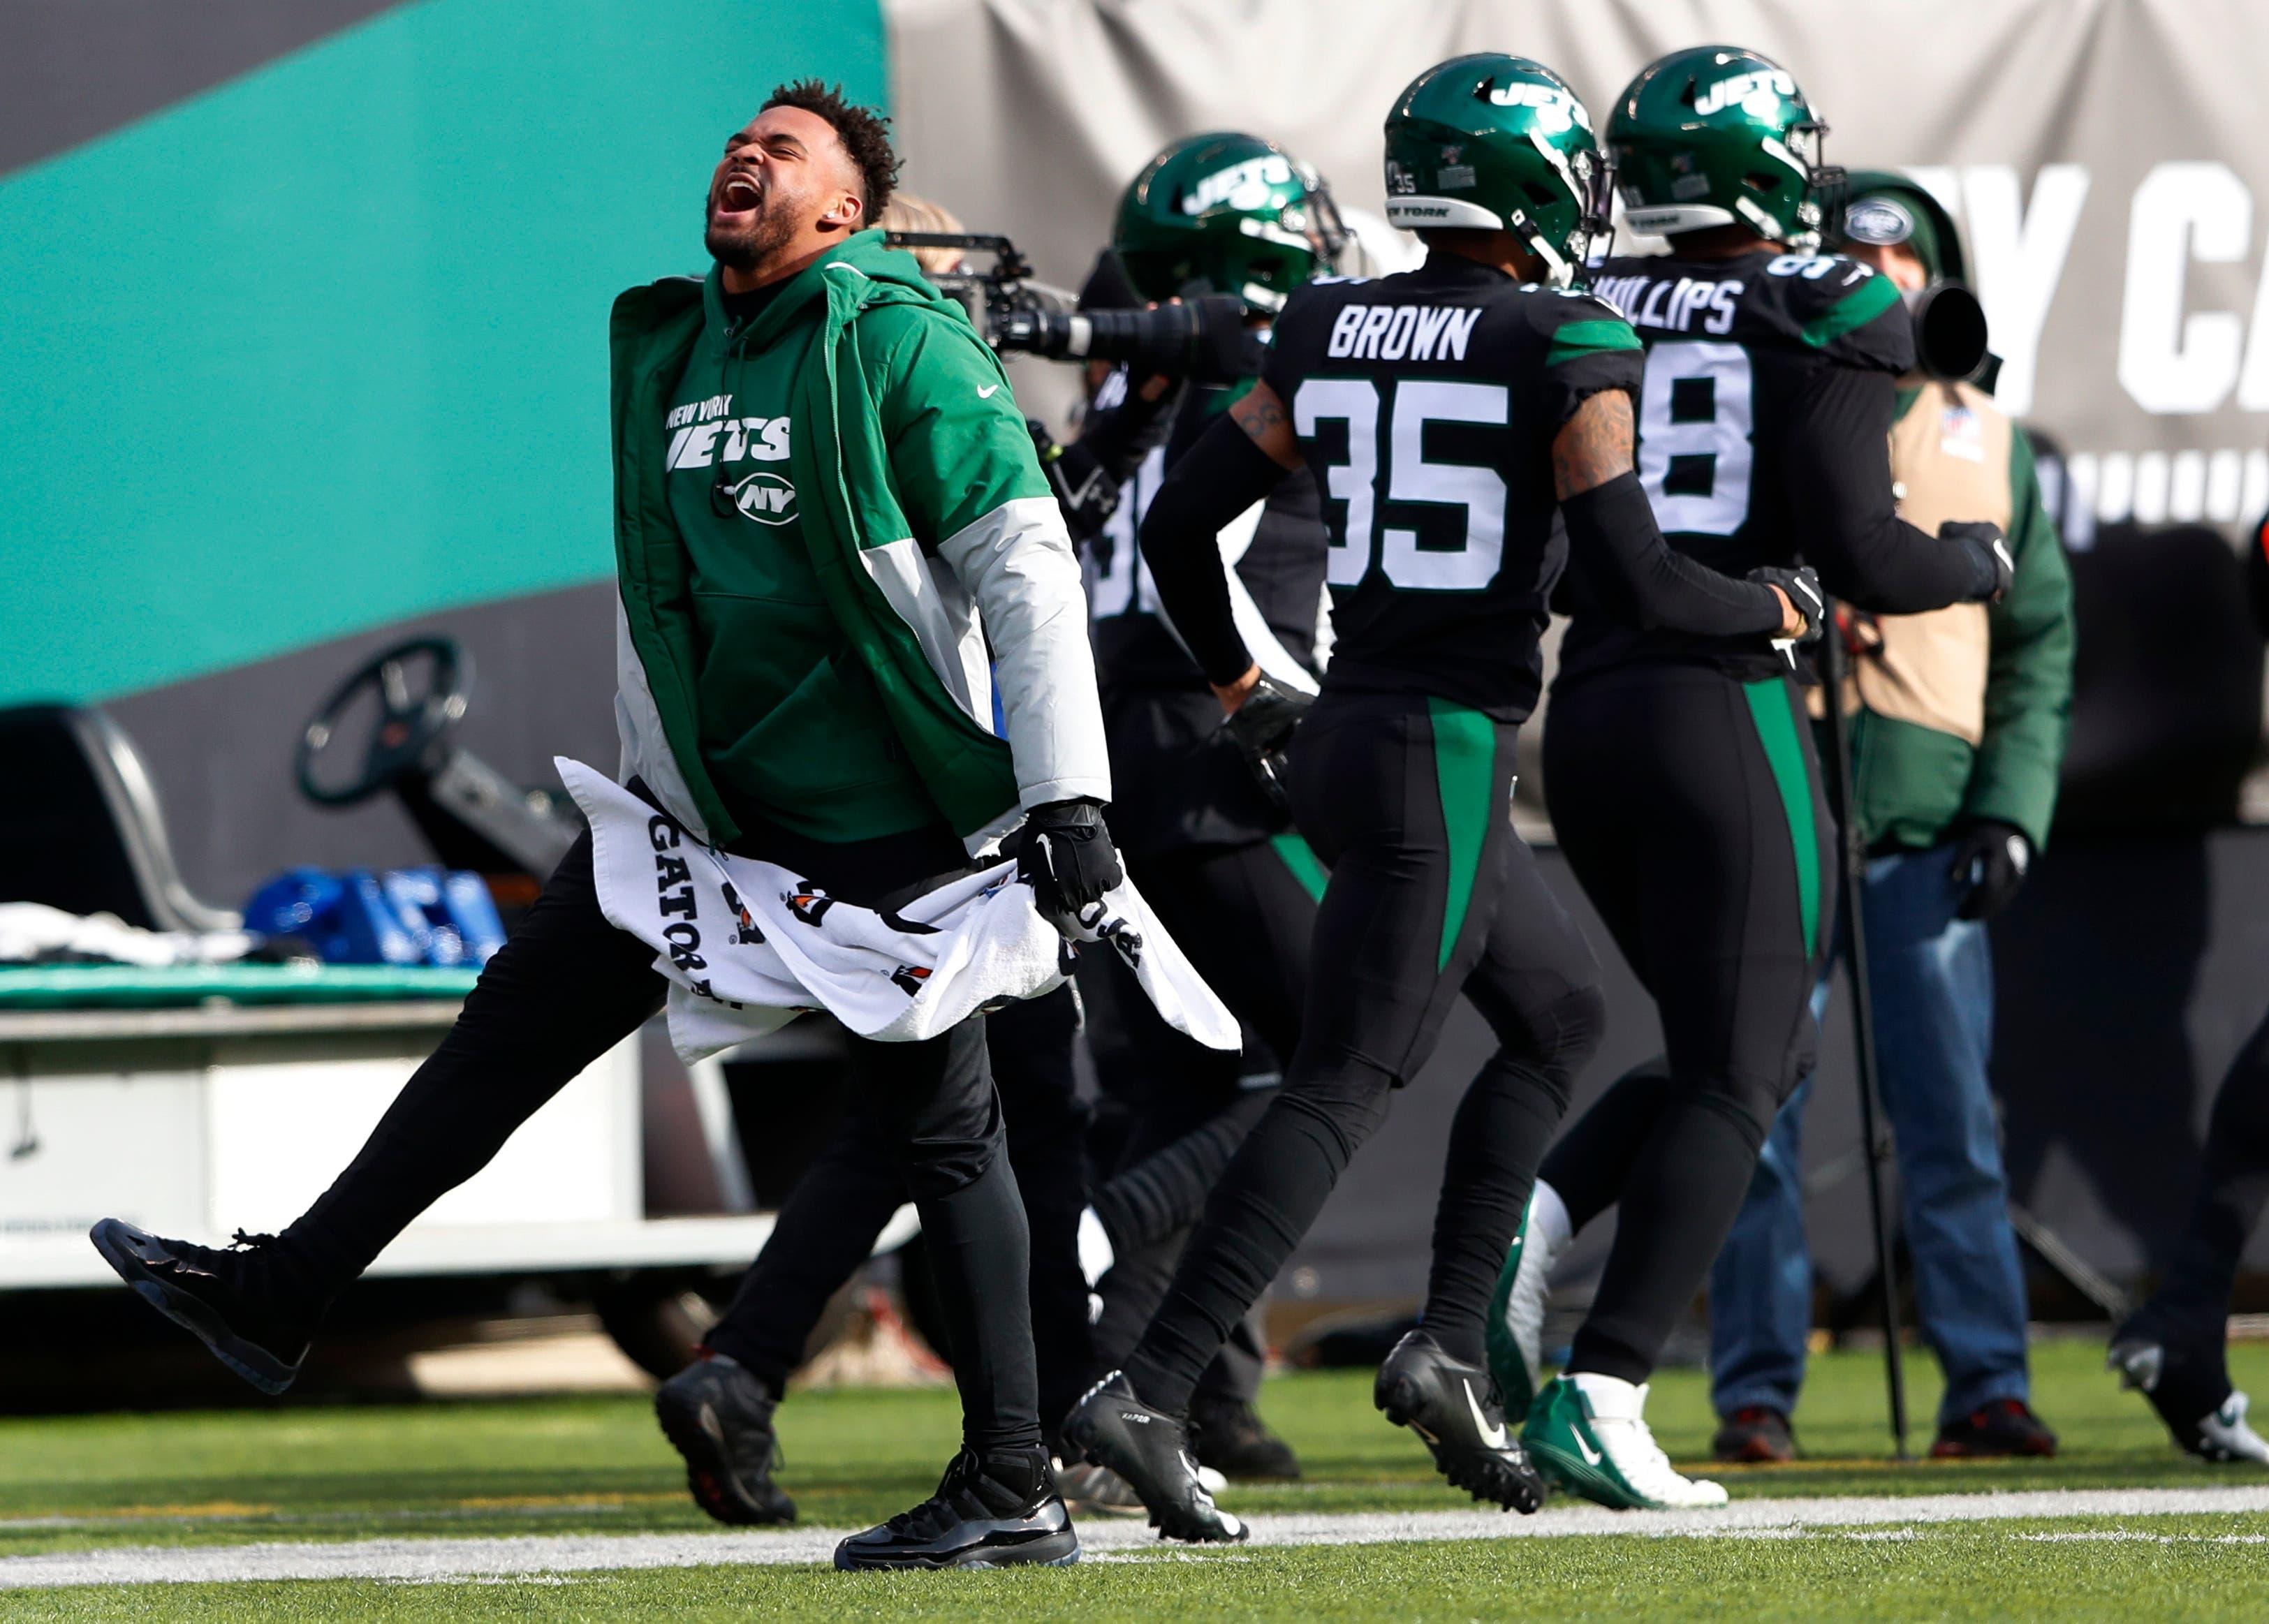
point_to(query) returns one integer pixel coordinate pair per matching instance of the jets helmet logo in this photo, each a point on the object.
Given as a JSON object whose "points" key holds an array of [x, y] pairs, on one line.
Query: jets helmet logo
{"points": [[1241, 186], [1556, 111], [1758, 94]]}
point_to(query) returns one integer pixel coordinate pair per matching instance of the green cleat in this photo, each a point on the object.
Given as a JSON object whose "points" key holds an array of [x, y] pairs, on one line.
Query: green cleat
{"points": [[1587, 1433]]}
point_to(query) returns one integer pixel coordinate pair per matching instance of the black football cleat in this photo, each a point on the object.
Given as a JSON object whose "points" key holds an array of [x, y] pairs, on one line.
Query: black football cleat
{"points": [[1150, 1449], [1229, 1436], [2187, 1378], [1454, 1407], [997, 1512], [216, 1295], [718, 1414]]}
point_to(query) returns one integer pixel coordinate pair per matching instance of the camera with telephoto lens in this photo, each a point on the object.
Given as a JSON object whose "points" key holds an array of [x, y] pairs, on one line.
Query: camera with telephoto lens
{"points": [[1203, 339]]}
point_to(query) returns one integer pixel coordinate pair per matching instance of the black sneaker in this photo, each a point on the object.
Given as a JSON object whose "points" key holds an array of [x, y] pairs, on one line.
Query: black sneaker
{"points": [[718, 1415], [2002, 1429], [1754, 1435], [1229, 1436], [1454, 1407], [986, 1513], [221, 1297], [1114, 1427]]}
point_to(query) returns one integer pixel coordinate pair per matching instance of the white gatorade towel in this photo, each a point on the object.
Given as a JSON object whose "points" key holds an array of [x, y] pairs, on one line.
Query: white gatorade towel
{"points": [[748, 946]]}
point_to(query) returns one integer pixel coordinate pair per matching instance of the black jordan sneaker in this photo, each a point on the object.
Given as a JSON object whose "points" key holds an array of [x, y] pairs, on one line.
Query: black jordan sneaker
{"points": [[221, 1297], [1229, 1436], [1454, 1407], [996, 1512], [718, 1414], [1114, 1427]]}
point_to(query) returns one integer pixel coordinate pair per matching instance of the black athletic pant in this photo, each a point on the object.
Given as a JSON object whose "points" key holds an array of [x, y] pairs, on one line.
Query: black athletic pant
{"points": [[828, 1226], [1407, 801], [2192, 1305], [1691, 807], [1244, 915], [567, 986]]}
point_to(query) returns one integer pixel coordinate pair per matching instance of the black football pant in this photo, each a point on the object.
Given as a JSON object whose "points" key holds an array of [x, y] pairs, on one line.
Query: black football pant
{"points": [[1243, 915], [1691, 807], [2192, 1305], [1408, 801], [828, 1226], [565, 988]]}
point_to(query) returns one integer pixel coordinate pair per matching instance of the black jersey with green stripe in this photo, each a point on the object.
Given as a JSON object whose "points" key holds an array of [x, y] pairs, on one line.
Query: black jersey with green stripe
{"points": [[1426, 405], [1739, 353]]}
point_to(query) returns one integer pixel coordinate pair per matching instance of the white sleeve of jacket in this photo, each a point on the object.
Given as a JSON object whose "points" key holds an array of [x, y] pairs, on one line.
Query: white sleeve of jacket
{"points": [[1017, 562]]}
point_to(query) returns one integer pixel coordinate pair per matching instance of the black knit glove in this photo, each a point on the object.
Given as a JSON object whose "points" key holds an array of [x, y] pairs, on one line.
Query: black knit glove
{"points": [[1261, 726], [1989, 551], [1067, 857], [1990, 860]]}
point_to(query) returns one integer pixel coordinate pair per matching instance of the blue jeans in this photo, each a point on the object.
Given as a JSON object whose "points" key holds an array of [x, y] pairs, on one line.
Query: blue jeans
{"points": [[1932, 978]]}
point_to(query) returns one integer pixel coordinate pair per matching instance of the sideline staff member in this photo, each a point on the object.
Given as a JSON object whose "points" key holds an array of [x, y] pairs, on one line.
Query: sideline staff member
{"points": [[784, 430], [1960, 732]]}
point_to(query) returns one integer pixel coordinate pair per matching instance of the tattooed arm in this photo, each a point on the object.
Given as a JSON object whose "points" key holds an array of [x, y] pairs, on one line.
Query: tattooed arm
{"points": [[1235, 463], [1611, 525]]}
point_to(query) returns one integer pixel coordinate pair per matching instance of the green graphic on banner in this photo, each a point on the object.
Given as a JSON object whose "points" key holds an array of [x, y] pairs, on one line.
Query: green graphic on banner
{"points": [[327, 346]]}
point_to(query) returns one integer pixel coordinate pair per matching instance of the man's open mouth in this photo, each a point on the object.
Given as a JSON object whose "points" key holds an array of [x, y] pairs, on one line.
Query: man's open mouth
{"points": [[739, 194]]}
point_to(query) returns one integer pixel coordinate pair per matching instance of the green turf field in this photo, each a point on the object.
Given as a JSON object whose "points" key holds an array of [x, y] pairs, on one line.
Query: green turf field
{"points": [[597, 1466]]}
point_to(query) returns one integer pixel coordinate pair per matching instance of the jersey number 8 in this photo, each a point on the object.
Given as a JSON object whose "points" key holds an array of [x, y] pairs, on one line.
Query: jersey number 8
{"points": [[1694, 428], [1472, 565]]}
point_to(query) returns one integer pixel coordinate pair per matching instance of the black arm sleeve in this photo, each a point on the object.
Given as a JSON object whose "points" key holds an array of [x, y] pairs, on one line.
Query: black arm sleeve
{"points": [[1120, 436], [1838, 475], [1612, 525], [1214, 481]]}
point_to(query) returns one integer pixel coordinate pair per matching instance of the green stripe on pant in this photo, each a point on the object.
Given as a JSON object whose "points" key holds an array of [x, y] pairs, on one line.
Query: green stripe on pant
{"points": [[1465, 770], [1771, 709], [1300, 858]]}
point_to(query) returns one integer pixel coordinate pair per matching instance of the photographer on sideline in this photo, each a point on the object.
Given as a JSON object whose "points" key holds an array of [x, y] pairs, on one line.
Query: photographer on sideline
{"points": [[1955, 746]]}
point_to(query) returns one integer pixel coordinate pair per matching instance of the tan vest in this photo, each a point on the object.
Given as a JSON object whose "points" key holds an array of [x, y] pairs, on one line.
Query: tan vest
{"points": [[1949, 460]]}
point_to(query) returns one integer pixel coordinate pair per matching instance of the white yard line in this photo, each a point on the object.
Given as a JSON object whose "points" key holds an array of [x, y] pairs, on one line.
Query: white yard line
{"points": [[440, 1560]]}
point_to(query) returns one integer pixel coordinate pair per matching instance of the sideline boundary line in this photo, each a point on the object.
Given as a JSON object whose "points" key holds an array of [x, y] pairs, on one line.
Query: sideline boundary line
{"points": [[440, 1560]]}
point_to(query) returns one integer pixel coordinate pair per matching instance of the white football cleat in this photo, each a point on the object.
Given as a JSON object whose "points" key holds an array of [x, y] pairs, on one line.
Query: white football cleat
{"points": [[1523, 1290]]}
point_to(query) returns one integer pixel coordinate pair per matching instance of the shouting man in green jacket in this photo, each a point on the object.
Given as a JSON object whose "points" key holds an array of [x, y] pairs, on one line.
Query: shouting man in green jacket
{"points": [[827, 509], [1955, 747]]}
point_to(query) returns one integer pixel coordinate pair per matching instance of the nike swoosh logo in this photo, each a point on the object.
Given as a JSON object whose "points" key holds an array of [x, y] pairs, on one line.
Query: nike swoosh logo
{"points": [[1590, 1456], [1493, 1437], [985, 394]]}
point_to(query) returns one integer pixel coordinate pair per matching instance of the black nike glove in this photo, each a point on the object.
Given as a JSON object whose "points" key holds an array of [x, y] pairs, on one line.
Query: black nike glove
{"points": [[1263, 728], [1990, 860], [1989, 551], [1803, 588], [1067, 857]]}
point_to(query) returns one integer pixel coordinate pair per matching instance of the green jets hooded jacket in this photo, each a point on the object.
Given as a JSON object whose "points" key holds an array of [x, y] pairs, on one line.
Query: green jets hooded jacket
{"points": [[822, 516]]}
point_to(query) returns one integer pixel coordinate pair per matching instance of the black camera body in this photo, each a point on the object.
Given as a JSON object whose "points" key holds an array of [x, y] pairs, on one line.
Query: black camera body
{"points": [[1202, 339]]}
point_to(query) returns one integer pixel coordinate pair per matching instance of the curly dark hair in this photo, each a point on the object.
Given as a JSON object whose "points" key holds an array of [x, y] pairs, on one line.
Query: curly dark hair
{"points": [[865, 134]]}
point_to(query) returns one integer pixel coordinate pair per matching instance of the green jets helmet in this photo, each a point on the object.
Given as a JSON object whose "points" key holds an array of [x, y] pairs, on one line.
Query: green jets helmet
{"points": [[1499, 143], [1227, 213], [1718, 136]]}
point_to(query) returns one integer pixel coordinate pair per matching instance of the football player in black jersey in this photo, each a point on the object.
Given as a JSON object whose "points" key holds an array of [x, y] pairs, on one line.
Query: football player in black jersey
{"points": [[1216, 856], [1444, 414], [1678, 768]]}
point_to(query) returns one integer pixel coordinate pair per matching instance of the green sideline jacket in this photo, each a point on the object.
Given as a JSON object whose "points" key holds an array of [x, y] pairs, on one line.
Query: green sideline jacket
{"points": [[1964, 710], [824, 514]]}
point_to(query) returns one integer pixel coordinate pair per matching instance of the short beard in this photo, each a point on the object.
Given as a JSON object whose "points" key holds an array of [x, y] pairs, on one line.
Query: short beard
{"points": [[745, 248]]}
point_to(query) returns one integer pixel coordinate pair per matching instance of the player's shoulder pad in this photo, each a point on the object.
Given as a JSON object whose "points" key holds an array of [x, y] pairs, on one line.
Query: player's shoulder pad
{"points": [[1575, 323], [1847, 311]]}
